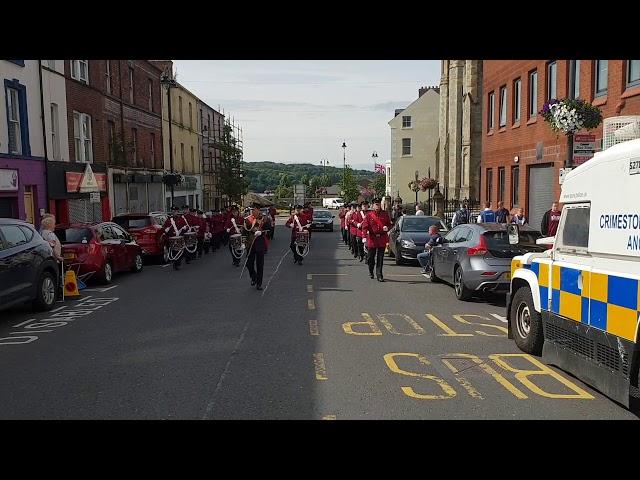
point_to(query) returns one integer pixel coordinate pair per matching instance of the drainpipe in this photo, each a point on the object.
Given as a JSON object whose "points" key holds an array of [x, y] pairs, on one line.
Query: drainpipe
{"points": [[44, 138]]}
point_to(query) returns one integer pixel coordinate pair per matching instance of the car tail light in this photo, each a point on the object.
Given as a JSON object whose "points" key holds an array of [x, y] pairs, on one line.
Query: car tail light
{"points": [[479, 249], [94, 247], [488, 274]]}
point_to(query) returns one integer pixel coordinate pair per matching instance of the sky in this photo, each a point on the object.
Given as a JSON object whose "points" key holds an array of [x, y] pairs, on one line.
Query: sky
{"points": [[302, 111]]}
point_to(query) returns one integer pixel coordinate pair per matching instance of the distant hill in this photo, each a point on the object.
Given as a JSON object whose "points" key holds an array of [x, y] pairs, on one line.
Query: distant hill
{"points": [[266, 175]]}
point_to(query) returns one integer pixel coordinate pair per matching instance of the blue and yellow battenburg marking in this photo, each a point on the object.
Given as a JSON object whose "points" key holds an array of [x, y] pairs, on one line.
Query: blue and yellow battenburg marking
{"points": [[608, 302]]}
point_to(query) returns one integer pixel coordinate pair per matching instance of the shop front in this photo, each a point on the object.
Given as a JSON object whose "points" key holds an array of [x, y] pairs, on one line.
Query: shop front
{"points": [[187, 192], [23, 190], [78, 192], [136, 192]]}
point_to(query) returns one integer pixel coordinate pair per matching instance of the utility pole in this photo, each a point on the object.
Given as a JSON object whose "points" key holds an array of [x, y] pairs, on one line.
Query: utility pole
{"points": [[167, 79]]}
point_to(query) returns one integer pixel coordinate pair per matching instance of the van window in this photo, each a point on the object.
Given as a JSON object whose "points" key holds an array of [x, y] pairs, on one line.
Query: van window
{"points": [[575, 229]]}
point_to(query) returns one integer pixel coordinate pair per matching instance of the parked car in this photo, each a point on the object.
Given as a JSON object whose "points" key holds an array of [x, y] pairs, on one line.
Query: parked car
{"points": [[409, 234], [476, 257], [99, 249], [322, 220], [28, 270], [146, 229]]}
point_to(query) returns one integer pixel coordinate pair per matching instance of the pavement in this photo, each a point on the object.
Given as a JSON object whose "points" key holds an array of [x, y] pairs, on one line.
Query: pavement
{"points": [[321, 341]]}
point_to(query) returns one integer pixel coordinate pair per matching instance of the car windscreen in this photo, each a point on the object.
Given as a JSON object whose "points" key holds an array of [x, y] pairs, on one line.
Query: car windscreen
{"points": [[499, 246], [132, 222], [418, 223], [74, 235], [321, 214]]}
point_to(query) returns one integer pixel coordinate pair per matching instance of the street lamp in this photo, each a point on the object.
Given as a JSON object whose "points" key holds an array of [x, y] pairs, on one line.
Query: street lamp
{"points": [[344, 163], [168, 81], [324, 162]]}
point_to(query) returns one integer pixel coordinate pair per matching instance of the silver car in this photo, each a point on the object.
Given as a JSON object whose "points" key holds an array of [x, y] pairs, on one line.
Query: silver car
{"points": [[476, 257]]}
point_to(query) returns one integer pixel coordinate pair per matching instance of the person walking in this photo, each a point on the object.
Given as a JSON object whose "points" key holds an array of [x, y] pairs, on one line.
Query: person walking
{"points": [[487, 215], [257, 242], [376, 224], [461, 216], [550, 221], [502, 214], [232, 227], [297, 223], [519, 218], [419, 210]]}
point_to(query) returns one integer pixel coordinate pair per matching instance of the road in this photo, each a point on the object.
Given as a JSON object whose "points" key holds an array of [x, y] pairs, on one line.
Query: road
{"points": [[321, 341]]}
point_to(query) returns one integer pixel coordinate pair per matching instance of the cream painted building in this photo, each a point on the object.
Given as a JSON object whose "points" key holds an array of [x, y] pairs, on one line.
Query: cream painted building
{"points": [[414, 140], [187, 159]]}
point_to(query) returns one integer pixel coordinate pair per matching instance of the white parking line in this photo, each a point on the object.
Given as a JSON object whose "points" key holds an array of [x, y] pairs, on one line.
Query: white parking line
{"points": [[101, 290], [165, 266], [499, 317], [24, 323], [58, 309]]}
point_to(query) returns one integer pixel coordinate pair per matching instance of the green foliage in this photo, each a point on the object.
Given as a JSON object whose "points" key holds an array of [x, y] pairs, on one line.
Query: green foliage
{"points": [[379, 184], [231, 164], [349, 185]]}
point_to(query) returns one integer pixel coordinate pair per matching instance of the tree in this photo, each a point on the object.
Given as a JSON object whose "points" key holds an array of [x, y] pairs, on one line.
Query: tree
{"points": [[285, 181], [349, 184], [231, 181], [379, 185], [315, 183]]}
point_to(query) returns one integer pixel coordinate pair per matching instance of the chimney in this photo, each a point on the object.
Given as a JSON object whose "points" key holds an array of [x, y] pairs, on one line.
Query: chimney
{"points": [[422, 91], [398, 111]]}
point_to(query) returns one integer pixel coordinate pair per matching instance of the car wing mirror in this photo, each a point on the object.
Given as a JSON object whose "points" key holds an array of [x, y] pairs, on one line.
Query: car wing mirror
{"points": [[514, 233]]}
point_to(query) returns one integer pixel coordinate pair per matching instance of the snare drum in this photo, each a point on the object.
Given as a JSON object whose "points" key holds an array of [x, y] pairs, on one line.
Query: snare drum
{"points": [[176, 243], [302, 237], [190, 239], [235, 241]]}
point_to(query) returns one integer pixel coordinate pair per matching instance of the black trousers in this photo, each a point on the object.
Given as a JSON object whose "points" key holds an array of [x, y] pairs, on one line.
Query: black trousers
{"points": [[360, 247], [354, 246], [236, 261], [296, 255], [376, 257], [344, 235], [215, 240], [257, 258]]}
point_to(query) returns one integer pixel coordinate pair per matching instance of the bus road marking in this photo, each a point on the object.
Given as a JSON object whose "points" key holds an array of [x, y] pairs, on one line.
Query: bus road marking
{"points": [[313, 327], [321, 370], [311, 305]]}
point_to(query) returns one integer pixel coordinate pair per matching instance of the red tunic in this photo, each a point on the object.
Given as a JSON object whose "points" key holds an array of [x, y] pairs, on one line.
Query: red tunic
{"points": [[373, 224], [359, 219], [341, 215], [168, 229], [291, 223], [229, 225]]}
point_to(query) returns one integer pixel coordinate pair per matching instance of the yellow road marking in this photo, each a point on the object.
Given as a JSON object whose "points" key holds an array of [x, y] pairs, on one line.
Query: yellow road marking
{"points": [[309, 288], [368, 323], [329, 417], [321, 371], [447, 390], [461, 319], [385, 321], [443, 326], [313, 327], [311, 305]]}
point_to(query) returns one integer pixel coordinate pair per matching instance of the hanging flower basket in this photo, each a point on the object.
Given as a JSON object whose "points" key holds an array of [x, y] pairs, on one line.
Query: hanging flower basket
{"points": [[427, 184], [414, 185], [570, 115]]}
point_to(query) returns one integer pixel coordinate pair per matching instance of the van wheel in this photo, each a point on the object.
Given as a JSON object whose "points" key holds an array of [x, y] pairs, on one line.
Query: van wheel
{"points": [[107, 273], [462, 292], [45, 293], [526, 323]]}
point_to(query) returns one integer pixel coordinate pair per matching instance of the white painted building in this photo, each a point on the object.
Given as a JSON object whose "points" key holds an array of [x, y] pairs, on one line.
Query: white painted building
{"points": [[54, 95]]}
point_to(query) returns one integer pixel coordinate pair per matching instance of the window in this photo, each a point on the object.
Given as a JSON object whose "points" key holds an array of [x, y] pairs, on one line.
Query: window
{"points": [[131, 93], [503, 106], [406, 146], [153, 149], [112, 139], [489, 184], [515, 186], [134, 144], [80, 70], [182, 153], [193, 163], [150, 88], [602, 77], [13, 236], [190, 115], [209, 125], [406, 121], [82, 134], [180, 110], [573, 232], [55, 140], [107, 73], [517, 100], [492, 102], [13, 119], [633, 73], [533, 94], [552, 80], [501, 183], [51, 64], [576, 80]]}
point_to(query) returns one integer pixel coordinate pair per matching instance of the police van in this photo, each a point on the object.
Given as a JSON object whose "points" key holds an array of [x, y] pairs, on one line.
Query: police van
{"points": [[578, 304]]}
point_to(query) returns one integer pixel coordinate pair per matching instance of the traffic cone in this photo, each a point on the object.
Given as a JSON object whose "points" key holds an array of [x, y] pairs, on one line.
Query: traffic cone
{"points": [[70, 284]]}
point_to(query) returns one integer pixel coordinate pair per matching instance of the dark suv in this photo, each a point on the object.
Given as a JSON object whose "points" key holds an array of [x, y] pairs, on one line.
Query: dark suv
{"points": [[28, 269]]}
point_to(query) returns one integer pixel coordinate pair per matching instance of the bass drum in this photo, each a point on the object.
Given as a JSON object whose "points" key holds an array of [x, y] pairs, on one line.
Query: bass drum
{"points": [[237, 244], [191, 241], [302, 243], [176, 247]]}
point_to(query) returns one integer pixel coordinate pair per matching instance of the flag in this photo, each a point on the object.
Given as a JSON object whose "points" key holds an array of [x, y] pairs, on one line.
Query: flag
{"points": [[380, 168]]}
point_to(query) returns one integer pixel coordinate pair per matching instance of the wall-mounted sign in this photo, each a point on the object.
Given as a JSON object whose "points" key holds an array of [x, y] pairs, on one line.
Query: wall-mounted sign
{"points": [[8, 180], [94, 197], [74, 180], [584, 147]]}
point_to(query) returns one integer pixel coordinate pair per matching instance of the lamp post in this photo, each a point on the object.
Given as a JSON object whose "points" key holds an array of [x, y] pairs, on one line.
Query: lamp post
{"points": [[168, 81], [374, 157], [324, 162], [344, 163]]}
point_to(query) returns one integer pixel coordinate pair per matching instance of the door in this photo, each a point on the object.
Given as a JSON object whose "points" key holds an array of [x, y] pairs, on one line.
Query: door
{"points": [[16, 263], [443, 253], [127, 247], [29, 215], [457, 248], [110, 245], [393, 236], [541, 196]]}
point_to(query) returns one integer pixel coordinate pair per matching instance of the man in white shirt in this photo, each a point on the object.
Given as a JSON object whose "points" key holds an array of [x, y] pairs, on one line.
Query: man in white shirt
{"points": [[419, 210]]}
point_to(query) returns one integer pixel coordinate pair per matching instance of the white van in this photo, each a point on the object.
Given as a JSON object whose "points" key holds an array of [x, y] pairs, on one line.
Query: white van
{"points": [[579, 303], [332, 202]]}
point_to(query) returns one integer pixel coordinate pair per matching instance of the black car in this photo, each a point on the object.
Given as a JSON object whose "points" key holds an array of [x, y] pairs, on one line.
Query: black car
{"points": [[409, 234], [322, 220], [28, 270]]}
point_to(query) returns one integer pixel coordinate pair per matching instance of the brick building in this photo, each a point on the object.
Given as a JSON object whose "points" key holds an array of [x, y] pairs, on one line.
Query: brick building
{"points": [[211, 123], [114, 123], [521, 154]]}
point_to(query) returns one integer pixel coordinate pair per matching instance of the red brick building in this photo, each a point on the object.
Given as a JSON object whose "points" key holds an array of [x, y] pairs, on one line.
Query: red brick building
{"points": [[114, 117], [521, 154]]}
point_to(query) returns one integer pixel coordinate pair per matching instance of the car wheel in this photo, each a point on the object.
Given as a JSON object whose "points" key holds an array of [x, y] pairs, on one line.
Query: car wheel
{"points": [[462, 292], [45, 293], [107, 273], [526, 323], [433, 278], [165, 255], [137, 264]]}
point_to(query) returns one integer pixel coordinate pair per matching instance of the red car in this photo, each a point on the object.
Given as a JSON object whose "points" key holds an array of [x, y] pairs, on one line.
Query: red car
{"points": [[98, 250], [146, 229]]}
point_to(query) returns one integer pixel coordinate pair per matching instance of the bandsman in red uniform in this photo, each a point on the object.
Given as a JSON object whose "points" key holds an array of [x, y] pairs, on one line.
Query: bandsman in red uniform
{"points": [[354, 219], [297, 223], [347, 224], [377, 225], [341, 215], [257, 243], [232, 227], [217, 223], [174, 226], [361, 234]]}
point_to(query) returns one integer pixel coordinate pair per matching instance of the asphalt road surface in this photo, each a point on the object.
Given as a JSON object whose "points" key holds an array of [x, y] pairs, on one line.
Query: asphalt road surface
{"points": [[321, 341]]}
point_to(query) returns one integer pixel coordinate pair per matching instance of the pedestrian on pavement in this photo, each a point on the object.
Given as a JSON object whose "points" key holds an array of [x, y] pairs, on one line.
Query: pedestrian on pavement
{"points": [[424, 258], [232, 227], [461, 216], [297, 223], [254, 225], [550, 221], [520, 218], [419, 210], [42, 219], [398, 212], [487, 215], [48, 225], [502, 214], [376, 224]]}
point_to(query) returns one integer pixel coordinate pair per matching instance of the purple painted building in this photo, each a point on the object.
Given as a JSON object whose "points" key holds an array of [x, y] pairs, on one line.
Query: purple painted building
{"points": [[23, 186]]}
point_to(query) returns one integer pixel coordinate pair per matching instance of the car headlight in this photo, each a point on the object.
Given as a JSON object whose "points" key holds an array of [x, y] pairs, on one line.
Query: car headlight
{"points": [[408, 244]]}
